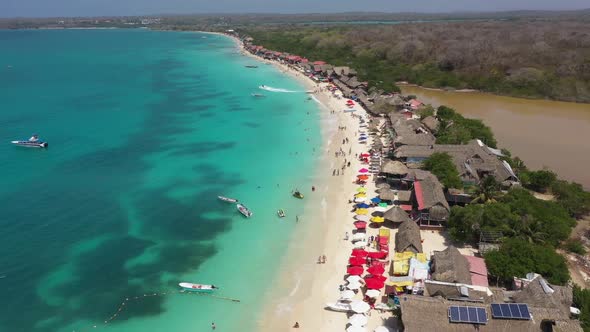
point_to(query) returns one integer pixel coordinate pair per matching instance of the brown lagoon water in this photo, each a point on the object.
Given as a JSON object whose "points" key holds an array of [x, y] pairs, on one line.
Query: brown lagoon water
{"points": [[543, 133]]}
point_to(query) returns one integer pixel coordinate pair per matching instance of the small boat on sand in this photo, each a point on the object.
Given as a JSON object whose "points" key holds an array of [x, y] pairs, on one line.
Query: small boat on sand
{"points": [[244, 210], [227, 199], [281, 213], [200, 288], [297, 194], [339, 306], [33, 142]]}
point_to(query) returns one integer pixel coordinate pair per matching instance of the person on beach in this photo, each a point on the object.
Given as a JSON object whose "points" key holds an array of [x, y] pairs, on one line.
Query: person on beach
{"points": [[320, 259], [323, 259], [346, 236], [312, 188], [296, 326]]}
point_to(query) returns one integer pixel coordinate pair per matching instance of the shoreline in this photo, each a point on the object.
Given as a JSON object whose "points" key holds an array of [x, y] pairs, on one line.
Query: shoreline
{"points": [[302, 287]]}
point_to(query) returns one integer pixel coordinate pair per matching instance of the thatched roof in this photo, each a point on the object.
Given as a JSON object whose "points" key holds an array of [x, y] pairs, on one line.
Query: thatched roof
{"points": [[410, 132], [396, 214], [452, 291], [431, 123], [394, 167], [407, 237], [450, 266], [535, 295], [404, 195], [387, 194], [414, 309], [430, 196]]}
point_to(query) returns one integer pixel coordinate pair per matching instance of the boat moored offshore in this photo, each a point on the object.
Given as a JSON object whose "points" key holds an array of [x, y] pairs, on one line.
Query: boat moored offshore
{"points": [[33, 142], [244, 210], [201, 288]]}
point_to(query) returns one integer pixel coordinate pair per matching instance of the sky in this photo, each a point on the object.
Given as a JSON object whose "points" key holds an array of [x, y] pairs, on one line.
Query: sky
{"points": [[54, 8]]}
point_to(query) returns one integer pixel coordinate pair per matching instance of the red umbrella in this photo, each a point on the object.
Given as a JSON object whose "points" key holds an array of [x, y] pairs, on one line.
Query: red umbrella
{"points": [[378, 277], [355, 260], [355, 270], [378, 254], [373, 283], [365, 155], [359, 253], [360, 225], [376, 269]]}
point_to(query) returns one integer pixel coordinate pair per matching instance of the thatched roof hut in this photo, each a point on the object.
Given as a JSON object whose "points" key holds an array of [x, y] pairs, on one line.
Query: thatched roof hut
{"points": [[394, 167], [431, 197], [396, 214], [539, 293], [414, 308], [404, 195], [387, 194], [408, 238], [450, 266], [431, 123]]}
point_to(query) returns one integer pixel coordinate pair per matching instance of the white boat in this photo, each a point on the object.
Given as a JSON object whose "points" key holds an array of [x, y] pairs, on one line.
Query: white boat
{"points": [[197, 287], [33, 142], [244, 210], [281, 213], [339, 306], [227, 199]]}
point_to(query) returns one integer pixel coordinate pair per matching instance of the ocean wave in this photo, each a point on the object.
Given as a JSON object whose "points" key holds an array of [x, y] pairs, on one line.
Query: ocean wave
{"points": [[271, 89]]}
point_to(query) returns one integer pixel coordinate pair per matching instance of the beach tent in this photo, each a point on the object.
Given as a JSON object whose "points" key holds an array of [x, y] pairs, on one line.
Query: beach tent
{"points": [[360, 307], [358, 320], [357, 260], [360, 225], [355, 270], [376, 269], [359, 253], [373, 293]]}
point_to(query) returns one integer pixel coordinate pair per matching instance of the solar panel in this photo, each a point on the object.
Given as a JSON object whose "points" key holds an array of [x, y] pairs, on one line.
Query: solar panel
{"points": [[510, 311], [472, 315]]}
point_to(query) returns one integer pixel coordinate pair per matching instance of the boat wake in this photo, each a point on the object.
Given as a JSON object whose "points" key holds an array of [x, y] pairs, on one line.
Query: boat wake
{"points": [[271, 89]]}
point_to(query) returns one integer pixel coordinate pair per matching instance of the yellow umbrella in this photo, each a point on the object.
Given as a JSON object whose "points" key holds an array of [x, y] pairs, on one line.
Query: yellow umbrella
{"points": [[360, 195], [361, 189], [361, 211], [377, 219]]}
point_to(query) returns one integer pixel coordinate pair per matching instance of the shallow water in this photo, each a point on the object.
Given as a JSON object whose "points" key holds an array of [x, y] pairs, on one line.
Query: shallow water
{"points": [[145, 130]]}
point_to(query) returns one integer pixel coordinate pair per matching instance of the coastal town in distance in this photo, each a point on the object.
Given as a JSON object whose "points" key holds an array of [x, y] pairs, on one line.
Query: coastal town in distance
{"points": [[315, 171]]}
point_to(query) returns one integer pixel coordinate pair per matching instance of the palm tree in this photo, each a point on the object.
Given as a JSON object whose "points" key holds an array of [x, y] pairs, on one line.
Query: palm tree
{"points": [[488, 191], [531, 230]]}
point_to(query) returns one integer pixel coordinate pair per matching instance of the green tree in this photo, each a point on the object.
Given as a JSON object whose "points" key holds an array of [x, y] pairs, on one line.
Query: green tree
{"points": [[572, 197], [488, 190], [465, 222], [441, 165], [517, 257], [538, 180], [582, 302]]}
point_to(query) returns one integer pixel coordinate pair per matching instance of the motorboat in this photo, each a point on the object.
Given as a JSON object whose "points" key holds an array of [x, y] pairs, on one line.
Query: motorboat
{"points": [[297, 194], [244, 210], [281, 213], [339, 306], [199, 288], [227, 199], [33, 142], [251, 66]]}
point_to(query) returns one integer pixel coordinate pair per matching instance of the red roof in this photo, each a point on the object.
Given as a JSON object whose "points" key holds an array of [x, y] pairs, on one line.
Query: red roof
{"points": [[319, 63], [419, 195], [304, 60], [406, 207], [478, 271]]}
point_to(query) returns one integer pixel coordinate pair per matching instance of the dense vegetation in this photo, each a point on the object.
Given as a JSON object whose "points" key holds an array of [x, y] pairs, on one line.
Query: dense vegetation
{"points": [[518, 214], [517, 257], [582, 302], [456, 129], [441, 165], [529, 58]]}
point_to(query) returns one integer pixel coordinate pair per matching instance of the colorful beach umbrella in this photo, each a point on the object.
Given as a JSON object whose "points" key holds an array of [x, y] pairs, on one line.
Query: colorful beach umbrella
{"points": [[377, 254], [363, 170], [361, 189], [378, 219], [353, 328], [355, 270], [347, 295], [383, 204], [375, 199], [360, 195], [361, 211], [354, 284], [360, 199], [360, 225], [373, 283], [362, 218], [376, 269], [363, 205], [380, 209], [359, 253], [382, 329], [359, 244], [353, 279], [359, 236], [378, 277], [373, 293], [365, 155], [358, 320], [363, 177], [357, 260], [360, 307]]}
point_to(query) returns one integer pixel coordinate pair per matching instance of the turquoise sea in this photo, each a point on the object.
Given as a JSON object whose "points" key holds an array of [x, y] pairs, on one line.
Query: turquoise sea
{"points": [[145, 129]]}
